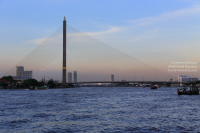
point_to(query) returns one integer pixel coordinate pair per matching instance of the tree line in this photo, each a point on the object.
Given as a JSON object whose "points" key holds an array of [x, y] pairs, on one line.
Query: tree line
{"points": [[27, 82]]}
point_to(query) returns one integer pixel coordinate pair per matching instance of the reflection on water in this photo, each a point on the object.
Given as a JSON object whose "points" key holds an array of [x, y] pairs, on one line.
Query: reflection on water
{"points": [[98, 110]]}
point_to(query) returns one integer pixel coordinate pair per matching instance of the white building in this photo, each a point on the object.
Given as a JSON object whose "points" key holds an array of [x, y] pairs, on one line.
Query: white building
{"points": [[75, 76], [69, 77], [112, 78], [21, 73], [184, 78], [27, 74]]}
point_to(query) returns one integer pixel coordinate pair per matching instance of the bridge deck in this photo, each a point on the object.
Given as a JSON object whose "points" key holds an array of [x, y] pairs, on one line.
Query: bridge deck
{"points": [[87, 82]]}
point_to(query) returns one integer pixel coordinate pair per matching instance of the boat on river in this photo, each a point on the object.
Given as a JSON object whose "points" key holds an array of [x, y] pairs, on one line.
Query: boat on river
{"points": [[154, 87], [39, 88], [192, 90]]}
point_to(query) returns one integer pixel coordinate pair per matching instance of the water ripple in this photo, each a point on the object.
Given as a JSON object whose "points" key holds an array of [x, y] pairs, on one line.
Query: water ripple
{"points": [[113, 110]]}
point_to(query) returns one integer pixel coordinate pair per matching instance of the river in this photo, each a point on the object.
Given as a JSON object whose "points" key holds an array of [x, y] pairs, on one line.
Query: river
{"points": [[100, 109]]}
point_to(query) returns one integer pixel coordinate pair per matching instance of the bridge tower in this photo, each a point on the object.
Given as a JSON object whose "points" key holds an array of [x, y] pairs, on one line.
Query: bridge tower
{"points": [[64, 69]]}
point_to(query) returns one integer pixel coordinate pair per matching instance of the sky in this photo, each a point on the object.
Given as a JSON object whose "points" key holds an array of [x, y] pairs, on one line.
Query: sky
{"points": [[156, 32]]}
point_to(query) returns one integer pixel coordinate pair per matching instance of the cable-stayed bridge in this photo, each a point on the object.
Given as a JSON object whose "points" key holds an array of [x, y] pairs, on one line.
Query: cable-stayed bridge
{"points": [[93, 60]]}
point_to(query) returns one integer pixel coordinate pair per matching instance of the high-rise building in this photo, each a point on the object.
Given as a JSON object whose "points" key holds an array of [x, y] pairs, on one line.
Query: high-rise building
{"points": [[69, 77], [64, 68], [75, 76], [21, 73], [112, 77]]}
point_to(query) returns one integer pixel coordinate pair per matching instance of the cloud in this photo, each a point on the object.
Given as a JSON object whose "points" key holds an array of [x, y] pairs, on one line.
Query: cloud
{"points": [[195, 10], [54, 38], [43, 69], [147, 35], [45, 41], [111, 30], [36, 41]]}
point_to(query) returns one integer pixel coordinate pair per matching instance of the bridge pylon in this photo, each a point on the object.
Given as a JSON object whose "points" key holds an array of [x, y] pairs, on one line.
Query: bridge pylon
{"points": [[64, 68]]}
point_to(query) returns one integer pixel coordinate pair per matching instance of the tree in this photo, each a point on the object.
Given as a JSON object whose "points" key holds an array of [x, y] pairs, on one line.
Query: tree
{"points": [[168, 84], [9, 78], [3, 84], [30, 82], [51, 83], [197, 82], [41, 83], [70, 85], [58, 84]]}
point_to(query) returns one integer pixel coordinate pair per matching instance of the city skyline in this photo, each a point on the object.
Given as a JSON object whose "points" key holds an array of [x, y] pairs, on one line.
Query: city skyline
{"points": [[165, 34]]}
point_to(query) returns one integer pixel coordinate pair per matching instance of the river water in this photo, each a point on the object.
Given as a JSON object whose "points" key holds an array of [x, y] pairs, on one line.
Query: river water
{"points": [[100, 109]]}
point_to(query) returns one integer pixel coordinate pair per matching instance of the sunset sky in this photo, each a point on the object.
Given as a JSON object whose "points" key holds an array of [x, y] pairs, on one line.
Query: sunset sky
{"points": [[156, 32]]}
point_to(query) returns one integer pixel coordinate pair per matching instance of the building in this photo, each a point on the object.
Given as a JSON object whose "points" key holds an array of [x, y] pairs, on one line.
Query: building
{"points": [[20, 78], [69, 77], [27, 74], [21, 74], [19, 71], [184, 78], [75, 76], [112, 78]]}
